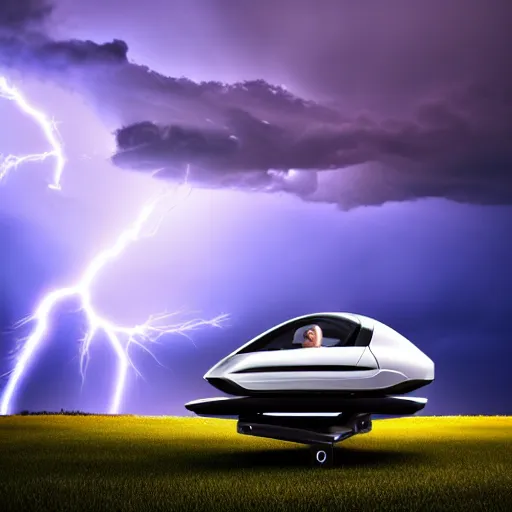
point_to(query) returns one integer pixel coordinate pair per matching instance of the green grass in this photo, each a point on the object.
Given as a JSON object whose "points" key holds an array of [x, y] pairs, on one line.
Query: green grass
{"points": [[134, 463]]}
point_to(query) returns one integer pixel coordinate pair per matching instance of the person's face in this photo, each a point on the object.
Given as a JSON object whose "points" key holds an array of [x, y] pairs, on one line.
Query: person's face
{"points": [[311, 335]]}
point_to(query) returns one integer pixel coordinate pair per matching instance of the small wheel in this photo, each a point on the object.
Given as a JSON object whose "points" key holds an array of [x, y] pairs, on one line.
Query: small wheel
{"points": [[322, 456]]}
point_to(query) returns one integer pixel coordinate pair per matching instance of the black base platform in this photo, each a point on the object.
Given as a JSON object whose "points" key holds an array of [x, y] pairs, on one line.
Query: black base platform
{"points": [[320, 421], [239, 406]]}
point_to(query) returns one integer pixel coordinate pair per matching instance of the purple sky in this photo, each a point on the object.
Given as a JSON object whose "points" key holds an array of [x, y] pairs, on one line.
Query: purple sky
{"points": [[410, 225]]}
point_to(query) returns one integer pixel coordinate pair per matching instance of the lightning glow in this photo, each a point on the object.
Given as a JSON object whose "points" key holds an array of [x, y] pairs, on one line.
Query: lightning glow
{"points": [[12, 162], [121, 338]]}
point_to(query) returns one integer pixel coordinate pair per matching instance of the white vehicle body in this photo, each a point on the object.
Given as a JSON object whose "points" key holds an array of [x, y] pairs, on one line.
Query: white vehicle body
{"points": [[359, 355]]}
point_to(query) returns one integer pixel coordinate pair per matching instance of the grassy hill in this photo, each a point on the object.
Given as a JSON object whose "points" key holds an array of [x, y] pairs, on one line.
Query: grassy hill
{"points": [[136, 463]]}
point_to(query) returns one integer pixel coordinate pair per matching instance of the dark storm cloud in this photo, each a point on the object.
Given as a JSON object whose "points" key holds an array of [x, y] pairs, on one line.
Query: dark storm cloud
{"points": [[54, 56], [25, 45], [457, 147], [249, 135], [22, 14]]}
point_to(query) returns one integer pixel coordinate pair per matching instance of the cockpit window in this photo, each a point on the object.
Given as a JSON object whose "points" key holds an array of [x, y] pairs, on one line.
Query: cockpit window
{"points": [[336, 332]]}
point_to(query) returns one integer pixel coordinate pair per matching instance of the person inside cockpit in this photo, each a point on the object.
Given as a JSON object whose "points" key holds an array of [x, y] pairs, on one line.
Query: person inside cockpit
{"points": [[312, 337]]}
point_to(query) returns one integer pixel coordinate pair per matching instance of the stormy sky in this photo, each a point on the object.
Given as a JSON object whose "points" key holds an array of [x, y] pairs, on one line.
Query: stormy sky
{"points": [[360, 148]]}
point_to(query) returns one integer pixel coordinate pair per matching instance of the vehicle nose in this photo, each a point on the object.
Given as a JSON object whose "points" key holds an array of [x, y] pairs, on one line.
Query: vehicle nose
{"points": [[210, 373], [428, 367], [216, 370]]}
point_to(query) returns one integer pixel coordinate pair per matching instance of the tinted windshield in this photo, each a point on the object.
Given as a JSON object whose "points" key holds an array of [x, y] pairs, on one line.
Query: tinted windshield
{"points": [[337, 332]]}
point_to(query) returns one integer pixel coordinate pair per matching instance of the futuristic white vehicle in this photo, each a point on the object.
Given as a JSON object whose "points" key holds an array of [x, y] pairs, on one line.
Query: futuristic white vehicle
{"points": [[355, 367]]}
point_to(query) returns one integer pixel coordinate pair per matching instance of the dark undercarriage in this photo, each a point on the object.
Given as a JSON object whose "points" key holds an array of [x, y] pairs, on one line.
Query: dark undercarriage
{"points": [[240, 406]]}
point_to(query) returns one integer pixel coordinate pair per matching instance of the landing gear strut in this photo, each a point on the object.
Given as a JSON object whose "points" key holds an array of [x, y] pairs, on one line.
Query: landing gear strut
{"points": [[320, 433]]}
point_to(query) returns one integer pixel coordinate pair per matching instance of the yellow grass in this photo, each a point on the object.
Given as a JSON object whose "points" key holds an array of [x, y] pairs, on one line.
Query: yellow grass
{"points": [[134, 463]]}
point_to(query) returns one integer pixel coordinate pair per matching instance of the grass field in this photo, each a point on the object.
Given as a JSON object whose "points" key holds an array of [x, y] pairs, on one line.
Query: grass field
{"points": [[133, 463]]}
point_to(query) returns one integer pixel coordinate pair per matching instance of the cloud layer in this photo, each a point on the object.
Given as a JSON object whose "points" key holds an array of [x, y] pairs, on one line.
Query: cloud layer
{"points": [[455, 143], [456, 147]]}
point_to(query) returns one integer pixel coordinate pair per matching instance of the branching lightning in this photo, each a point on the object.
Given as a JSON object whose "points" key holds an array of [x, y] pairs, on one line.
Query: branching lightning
{"points": [[12, 162], [121, 338]]}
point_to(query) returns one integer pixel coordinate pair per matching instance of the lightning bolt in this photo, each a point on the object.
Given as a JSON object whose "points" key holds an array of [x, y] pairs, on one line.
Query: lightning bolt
{"points": [[121, 338], [49, 129]]}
